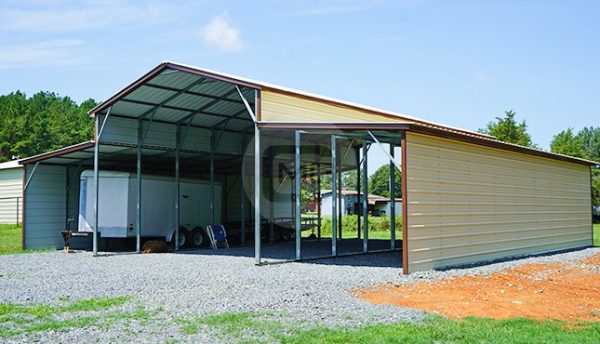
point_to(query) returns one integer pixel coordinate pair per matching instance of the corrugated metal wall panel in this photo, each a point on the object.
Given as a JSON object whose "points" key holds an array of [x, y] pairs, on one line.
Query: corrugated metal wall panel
{"points": [[11, 193], [120, 130], [279, 107], [469, 203], [45, 213]]}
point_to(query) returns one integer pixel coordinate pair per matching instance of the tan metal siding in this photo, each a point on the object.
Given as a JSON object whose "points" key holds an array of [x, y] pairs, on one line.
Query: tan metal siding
{"points": [[280, 107], [11, 193], [470, 203]]}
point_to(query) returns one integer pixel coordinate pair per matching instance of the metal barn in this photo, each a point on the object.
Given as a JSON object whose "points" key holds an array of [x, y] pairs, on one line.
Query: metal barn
{"points": [[466, 197]]}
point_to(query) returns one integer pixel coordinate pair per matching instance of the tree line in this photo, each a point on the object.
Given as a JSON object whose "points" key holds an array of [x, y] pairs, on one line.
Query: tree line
{"points": [[41, 123], [47, 121]]}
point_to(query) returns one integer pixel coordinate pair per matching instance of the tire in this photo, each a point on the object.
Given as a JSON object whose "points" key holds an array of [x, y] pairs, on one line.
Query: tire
{"points": [[184, 237], [198, 238]]}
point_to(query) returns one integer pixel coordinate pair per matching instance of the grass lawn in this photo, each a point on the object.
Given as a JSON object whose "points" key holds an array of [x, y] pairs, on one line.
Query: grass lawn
{"points": [[17, 319], [10, 239], [243, 326], [596, 235]]}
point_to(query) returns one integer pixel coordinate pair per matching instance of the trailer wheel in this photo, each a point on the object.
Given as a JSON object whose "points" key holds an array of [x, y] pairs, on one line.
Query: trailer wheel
{"points": [[198, 237], [183, 237]]}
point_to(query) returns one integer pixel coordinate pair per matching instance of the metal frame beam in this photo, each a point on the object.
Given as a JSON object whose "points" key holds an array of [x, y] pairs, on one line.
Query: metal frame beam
{"points": [[365, 200], [257, 191], [392, 200], [178, 140], [297, 181], [248, 108], [138, 183], [333, 196], [243, 194]]}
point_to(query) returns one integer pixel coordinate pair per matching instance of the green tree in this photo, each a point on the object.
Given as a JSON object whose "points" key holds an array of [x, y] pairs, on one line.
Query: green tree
{"points": [[379, 182], [508, 130], [586, 144], [568, 144], [41, 123]]}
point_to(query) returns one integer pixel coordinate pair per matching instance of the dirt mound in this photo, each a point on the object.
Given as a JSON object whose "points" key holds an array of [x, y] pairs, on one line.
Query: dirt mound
{"points": [[568, 292]]}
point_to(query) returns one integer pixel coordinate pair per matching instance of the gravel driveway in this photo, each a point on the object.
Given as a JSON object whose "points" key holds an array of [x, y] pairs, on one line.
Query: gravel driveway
{"points": [[177, 286]]}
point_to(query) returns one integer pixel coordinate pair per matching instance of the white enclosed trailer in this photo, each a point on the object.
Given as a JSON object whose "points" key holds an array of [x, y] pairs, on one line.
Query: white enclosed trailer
{"points": [[117, 206]]}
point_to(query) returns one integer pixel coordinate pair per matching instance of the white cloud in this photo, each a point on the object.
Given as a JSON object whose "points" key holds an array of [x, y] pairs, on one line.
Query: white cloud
{"points": [[222, 34], [61, 52]]}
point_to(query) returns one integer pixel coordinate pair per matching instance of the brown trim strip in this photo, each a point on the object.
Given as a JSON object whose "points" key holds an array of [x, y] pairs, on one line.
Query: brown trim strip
{"points": [[404, 207], [333, 126], [59, 152]]}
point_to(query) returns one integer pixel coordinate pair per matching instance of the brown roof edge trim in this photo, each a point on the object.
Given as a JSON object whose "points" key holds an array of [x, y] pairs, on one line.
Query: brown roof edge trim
{"points": [[156, 71], [58, 152], [496, 144], [371, 111], [340, 126]]}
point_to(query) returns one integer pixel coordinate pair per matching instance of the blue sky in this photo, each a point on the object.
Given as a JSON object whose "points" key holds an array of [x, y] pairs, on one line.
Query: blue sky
{"points": [[456, 62]]}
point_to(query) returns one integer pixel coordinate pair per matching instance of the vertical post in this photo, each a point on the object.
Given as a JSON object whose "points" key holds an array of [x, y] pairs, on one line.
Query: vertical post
{"points": [[358, 201], [319, 195], [365, 198], [17, 211], [96, 187], [404, 204], [243, 193], [333, 197], [177, 186], [212, 176], [340, 198], [392, 201], [297, 180], [138, 182], [271, 200], [257, 194]]}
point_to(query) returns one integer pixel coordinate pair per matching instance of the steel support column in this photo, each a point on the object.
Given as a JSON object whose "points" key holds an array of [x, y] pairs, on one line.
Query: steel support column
{"points": [[257, 194], [365, 198], [212, 177], [271, 200], [243, 194], [96, 187], [319, 194], [138, 182], [392, 201], [297, 181], [177, 186], [340, 197], [98, 135], [358, 201], [333, 196]]}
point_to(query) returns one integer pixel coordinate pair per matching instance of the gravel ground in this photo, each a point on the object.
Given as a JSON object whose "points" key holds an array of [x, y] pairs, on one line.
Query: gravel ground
{"points": [[184, 286]]}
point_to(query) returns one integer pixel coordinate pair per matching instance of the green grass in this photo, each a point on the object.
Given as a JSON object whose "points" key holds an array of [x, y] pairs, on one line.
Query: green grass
{"points": [[10, 239], [16, 319], [379, 227], [246, 327], [596, 235]]}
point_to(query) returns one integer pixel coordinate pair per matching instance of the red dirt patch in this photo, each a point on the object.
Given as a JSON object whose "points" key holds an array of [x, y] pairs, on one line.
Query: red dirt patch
{"points": [[538, 291]]}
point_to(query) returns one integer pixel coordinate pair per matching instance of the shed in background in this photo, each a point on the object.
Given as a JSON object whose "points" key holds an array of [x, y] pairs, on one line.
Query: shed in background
{"points": [[11, 192]]}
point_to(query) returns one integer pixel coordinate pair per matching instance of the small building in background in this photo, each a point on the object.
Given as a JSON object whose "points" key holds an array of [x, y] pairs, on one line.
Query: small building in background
{"points": [[378, 205], [11, 192]]}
